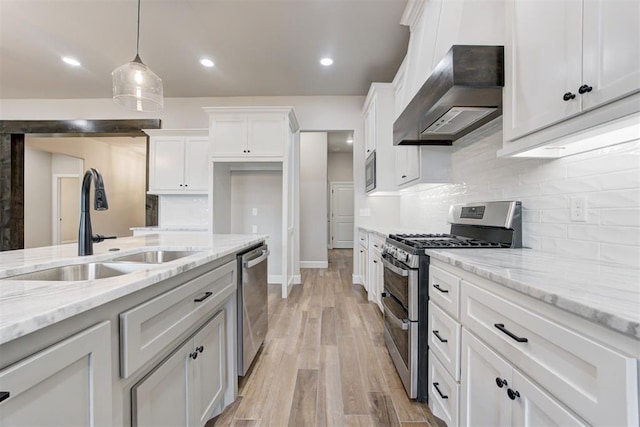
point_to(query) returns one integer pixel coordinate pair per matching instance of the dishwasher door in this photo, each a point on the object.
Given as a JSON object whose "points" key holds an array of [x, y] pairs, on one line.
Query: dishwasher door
{"points": [[252, 305]]}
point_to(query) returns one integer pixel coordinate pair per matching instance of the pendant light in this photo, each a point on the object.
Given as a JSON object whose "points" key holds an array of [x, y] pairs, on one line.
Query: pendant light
{"points": [[135, 86]]}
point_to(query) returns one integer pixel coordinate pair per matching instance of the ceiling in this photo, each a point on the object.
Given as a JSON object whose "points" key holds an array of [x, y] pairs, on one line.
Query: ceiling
{"points": [[260, 47]]}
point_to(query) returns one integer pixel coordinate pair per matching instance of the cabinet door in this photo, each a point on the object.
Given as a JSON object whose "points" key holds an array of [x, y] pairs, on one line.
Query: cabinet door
{"points": [[68, 384], [542, 64], [407, 164], [370, 129], [482, 402], [362, 262], [160, 399], [533, 407], [196, 164], [208, 370], [611, 44], [166, 166], [266, 136], [228, 137]]}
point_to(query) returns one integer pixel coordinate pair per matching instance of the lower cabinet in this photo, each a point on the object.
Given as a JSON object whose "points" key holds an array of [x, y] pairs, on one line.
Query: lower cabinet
{"points": [[376, 278], [185, 388], [496, 394], [67, 384], [363, 260]]}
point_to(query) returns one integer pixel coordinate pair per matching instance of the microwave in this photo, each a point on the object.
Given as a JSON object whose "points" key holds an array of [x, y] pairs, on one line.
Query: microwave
{"points": [[370, 172]]}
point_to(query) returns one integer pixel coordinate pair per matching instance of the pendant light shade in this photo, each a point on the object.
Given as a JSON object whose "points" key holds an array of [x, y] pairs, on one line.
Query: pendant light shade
{"points": [[135, 86]]}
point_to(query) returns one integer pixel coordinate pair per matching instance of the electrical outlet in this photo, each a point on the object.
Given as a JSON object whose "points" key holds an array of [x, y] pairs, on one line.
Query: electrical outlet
{"points": [[578, 209], [254, 211]]}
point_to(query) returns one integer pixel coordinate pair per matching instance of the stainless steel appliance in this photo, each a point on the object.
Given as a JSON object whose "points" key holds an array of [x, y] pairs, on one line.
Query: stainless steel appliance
{"points": [[370, 172], [252, 304], [406, 278]]}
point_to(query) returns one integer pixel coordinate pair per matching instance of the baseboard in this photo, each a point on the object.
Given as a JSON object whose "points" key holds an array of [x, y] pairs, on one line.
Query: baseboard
{"points": [[274, 279], [356, 279], [314, 264], [296, 280]]}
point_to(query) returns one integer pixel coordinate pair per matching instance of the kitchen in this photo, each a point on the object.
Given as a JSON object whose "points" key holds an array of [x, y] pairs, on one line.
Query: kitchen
{"points": [[605, 179]]}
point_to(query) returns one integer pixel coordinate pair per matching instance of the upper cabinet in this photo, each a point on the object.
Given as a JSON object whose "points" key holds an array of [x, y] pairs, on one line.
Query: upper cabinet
{"points": [[178, 161], [247, 133], [558, 79], [378, 114]]}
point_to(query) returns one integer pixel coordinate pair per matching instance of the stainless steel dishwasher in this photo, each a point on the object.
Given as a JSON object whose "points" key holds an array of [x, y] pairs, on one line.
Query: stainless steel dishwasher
{"points": [[252, 304]]}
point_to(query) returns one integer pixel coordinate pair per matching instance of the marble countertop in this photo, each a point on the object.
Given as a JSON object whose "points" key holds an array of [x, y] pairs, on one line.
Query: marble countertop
{"points": [[605, 293], [177, 228], [29, 305]]}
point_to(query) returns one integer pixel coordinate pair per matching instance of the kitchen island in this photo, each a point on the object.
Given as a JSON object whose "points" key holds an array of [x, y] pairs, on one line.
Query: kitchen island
{"points": [[154, 345]]}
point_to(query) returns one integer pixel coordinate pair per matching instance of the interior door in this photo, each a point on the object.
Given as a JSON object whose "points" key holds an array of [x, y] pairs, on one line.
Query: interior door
{"points": [[68, 209], [342, 215]]}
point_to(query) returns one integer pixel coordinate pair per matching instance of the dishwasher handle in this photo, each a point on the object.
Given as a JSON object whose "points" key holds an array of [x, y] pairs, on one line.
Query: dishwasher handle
{"points": [[256, 261]]}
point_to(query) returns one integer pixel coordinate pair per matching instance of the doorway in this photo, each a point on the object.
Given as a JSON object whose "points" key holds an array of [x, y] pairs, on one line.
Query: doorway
{"points": [[341, 215], [66, 208]]}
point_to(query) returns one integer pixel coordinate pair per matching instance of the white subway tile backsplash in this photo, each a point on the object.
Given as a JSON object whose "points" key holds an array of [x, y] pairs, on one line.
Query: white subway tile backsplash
{"points": [[626, 217], [609, 179], [605, 234], [183, 211]]}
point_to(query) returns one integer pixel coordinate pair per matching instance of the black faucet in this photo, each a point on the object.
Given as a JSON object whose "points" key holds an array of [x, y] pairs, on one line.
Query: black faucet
{"points": [[85, 236]]}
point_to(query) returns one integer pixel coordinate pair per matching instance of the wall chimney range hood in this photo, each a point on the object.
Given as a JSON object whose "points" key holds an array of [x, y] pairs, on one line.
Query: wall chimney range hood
{"points": [[463, 93]]}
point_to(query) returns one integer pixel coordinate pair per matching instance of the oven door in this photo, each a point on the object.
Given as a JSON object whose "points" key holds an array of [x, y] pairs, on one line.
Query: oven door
{"points": [[401, 282], [401, 339]]}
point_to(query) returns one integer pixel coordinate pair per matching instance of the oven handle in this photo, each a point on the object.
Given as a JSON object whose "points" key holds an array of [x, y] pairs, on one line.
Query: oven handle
{"points": [[399, 271], [402, 324]]}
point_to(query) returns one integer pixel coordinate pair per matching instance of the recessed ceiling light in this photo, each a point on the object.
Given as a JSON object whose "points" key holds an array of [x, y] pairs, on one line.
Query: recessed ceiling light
{"points": [[71, 61], [326, 61], [206, 62]]}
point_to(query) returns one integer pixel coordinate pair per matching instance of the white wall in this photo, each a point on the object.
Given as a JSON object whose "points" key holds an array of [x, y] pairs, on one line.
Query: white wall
{"points": [[340, 167], [123, 172], [313, 200], [609, 179], [37, 198], [260, 190]]}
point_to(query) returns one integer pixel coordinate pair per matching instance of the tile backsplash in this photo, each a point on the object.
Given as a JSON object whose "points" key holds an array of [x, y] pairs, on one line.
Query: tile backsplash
{"points": [[183, 211], [608, 178]]}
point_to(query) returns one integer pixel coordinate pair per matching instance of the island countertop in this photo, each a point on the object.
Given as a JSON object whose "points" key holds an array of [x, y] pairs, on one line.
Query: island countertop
{"points": [[29, 305], [604, 293]]}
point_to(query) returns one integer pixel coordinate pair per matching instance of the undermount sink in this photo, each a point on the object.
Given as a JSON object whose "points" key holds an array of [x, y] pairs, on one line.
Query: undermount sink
{"points": [[78, 272], [154, 257]]}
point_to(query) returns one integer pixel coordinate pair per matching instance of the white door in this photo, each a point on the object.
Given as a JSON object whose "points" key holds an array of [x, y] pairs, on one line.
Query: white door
{"points": [[68, 212], [341, 215]]}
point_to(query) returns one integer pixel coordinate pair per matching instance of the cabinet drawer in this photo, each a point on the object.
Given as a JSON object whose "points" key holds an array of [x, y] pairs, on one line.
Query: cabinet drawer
{"points": [[596, 382], [444, 290], [444, 339], [363, 237], [444, 392], [150, 327], [375, 244]]}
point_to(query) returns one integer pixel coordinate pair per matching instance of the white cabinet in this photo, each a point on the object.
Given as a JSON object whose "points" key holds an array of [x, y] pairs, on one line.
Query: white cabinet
{"points": [[379, 110], [429, 165], [178, 161], [67, 384], [586, 57], [186, 387], [376, 269], [242, 133], [363, 261], [496, 394]]}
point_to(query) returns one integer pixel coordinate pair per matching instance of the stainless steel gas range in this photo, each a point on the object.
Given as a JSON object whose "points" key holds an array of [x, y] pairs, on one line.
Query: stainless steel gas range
{"points": [[406, 278]]}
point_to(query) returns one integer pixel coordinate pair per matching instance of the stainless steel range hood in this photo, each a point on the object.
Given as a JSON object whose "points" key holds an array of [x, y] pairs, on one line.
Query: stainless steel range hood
{"points": [[463, 93]]}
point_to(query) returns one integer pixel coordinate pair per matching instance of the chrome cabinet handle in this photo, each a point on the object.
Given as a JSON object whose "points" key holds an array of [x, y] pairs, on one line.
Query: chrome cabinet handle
{"points": [[502, 328], [254, 262]]}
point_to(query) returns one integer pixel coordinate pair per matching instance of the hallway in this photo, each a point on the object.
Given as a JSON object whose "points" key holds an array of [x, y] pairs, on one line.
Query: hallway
{"points": [[324, 362]]}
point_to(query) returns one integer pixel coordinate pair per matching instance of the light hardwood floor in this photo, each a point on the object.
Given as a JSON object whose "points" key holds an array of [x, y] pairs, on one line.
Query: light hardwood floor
{"points": [[324, 362]]}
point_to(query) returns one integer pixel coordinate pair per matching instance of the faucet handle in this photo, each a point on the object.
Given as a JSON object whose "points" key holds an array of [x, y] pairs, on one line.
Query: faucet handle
{"points": [[97, 238]]}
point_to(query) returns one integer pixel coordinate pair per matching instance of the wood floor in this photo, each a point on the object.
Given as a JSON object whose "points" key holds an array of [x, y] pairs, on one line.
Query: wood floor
{"points": [[324, 362]]}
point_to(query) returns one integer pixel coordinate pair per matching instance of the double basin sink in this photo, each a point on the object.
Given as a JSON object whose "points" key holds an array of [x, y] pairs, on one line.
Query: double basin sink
{"points": [[102, 270]]}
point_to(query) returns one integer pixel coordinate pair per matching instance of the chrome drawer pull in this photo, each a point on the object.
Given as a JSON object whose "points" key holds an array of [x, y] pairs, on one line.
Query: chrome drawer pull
{"points": [[435, 385], [437, 334], [501, 327], [437, 286]]}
